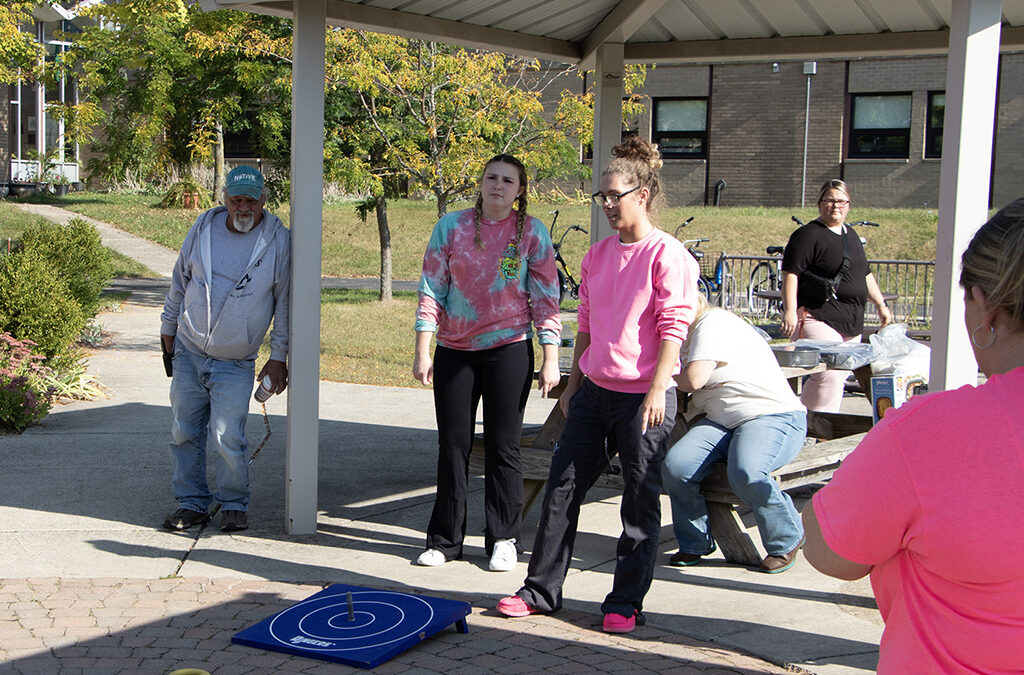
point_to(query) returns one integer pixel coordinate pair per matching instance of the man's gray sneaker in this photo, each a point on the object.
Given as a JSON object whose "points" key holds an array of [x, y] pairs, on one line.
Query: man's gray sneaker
{"points": [[183, 519], [233, 521]]}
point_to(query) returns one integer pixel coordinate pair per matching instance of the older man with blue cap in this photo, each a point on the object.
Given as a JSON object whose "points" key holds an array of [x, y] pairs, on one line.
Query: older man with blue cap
{"points": [[230, 280]]}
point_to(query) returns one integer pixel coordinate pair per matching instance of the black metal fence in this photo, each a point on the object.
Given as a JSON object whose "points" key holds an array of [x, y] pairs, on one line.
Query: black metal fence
{"points": [[750, 285]]}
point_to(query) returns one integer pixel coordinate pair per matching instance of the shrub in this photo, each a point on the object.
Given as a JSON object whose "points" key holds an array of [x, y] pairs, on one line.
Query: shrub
{"points": [[76, 252], [187, 193], [25, 398], [36, 305], [74, 382]]}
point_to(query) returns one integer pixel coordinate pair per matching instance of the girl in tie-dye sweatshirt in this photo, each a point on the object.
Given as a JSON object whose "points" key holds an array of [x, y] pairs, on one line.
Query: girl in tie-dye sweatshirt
{"points": [[488, 281]]}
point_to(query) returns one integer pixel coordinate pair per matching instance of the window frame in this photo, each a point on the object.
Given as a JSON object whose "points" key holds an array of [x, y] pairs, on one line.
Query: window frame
{"points": [[933, 134], [701, 136], [901, 133]]}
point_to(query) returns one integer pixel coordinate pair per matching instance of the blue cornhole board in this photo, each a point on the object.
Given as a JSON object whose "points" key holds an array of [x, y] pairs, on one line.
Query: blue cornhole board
{"points": [[385, 624]]}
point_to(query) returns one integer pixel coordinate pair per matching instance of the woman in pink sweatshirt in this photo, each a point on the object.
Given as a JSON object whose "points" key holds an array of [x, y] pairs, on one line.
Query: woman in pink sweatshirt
{"points": [[637, 299]]}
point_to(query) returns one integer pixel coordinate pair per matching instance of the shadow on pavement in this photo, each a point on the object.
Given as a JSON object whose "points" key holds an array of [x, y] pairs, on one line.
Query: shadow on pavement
{"points": [[159, 626]]}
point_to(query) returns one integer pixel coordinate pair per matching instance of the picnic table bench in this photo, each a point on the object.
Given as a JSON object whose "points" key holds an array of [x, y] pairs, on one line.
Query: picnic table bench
{"points": [[830, 437]]}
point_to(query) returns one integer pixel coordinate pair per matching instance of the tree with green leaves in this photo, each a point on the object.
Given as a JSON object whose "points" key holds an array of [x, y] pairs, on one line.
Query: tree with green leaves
{"points": [[166, 89], [441, 111], [433, 114], [21, 57]]}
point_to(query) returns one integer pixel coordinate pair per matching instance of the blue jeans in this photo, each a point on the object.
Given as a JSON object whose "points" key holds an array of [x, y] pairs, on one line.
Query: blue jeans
{"points": [[209, 402], [752, 451]]}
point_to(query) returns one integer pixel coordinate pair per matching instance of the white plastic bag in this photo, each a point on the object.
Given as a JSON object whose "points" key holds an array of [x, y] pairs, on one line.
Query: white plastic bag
{"points": [[899, 355]]}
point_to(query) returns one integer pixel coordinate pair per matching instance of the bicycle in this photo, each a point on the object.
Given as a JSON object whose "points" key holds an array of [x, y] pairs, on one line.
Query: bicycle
{"points": [[566, 282], [714, 281], [766, 277]]}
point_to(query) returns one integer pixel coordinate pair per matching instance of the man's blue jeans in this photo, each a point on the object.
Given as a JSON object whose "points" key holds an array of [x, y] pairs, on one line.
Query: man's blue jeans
{"points": [[752, 451], [209, 402]]}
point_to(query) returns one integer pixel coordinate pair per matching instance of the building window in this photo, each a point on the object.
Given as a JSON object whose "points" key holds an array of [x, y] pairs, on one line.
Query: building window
{"points": [[880, 126], [680, 127], [936, 119]]}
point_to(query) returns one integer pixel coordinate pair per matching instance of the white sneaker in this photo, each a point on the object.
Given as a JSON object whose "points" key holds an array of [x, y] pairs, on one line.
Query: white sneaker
{"points": [[431, 558], [504, 556]]}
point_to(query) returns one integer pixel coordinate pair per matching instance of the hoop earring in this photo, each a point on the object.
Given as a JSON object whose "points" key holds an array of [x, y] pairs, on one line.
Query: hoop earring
{"points": [[974, 338]]}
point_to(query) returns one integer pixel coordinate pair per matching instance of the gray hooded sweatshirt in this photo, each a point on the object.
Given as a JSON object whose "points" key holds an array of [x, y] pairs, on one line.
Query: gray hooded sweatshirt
{"points": [[261, 294]]}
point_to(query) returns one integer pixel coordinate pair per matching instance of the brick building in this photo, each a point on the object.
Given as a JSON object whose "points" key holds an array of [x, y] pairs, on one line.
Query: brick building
{"points": [[874, 122]]}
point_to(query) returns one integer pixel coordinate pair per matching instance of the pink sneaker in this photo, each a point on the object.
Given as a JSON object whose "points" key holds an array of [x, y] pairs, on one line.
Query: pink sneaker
{"points": [[513, 605], [616, 623]]}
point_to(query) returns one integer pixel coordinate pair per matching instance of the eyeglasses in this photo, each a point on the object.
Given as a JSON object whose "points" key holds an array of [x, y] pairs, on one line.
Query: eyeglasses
{"points": [[836, 202], [613, 199]]}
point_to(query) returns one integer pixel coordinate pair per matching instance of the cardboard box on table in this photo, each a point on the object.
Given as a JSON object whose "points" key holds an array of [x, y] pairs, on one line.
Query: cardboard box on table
{"points": [[892, 391]]}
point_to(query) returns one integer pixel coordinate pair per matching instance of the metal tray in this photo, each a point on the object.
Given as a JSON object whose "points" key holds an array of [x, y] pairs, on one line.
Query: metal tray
{"points": [[791, 356]]}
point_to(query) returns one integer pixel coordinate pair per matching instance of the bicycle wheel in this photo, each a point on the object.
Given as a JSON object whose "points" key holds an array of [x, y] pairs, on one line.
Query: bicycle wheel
{"points": [[703, 288], [562, 283], [760, 281]]}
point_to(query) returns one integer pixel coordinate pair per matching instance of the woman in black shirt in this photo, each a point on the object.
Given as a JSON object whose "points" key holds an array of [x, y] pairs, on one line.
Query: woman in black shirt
{"points": [[825, 283]]}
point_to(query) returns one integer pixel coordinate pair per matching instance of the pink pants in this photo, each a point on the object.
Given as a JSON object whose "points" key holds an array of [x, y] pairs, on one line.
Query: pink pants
{"points": [[822, 391]]}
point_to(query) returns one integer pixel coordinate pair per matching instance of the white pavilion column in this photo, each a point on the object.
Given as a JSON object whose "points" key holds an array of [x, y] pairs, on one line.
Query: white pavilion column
{"points": [[607, 122], [971, 80], [307, 174]]}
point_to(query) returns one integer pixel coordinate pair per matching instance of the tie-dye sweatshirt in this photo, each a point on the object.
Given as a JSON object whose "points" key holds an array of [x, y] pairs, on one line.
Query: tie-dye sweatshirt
{"points": [[479, 299], [633, 296]]}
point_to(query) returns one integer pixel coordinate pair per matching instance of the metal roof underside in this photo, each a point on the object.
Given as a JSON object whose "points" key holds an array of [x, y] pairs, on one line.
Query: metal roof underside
{"points": [[694, 31]]}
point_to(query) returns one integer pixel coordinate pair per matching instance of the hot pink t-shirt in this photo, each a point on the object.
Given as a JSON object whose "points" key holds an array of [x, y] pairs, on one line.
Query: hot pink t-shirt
{"points": [[633, 296], [933, 498]]}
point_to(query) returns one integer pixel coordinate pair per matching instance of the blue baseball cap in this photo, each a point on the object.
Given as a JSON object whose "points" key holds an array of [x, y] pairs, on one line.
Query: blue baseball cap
{"points": [[244, 180]]}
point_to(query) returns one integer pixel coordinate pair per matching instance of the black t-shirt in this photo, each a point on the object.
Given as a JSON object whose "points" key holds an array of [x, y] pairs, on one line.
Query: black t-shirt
{"points": [[815, 248]]}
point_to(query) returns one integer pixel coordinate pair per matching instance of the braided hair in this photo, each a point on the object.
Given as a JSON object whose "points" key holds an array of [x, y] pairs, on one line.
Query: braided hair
{"points": [[478, 208]]}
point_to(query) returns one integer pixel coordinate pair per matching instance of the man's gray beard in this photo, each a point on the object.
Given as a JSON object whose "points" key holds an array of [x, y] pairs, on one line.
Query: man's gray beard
{"points": [[243, 223]]}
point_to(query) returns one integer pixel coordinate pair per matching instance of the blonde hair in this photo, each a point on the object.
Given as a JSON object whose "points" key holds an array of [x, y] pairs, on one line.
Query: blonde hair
{"points": [[994, 262], [639, 162], [834, 184], [702, 308], [478, 208]]}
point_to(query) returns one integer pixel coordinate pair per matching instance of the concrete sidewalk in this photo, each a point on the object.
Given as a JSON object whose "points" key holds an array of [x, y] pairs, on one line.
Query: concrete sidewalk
{"points": [[90, 583]]}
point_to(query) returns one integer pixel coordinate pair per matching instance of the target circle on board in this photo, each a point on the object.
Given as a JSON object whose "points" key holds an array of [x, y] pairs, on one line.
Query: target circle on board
{"points": [[354, 625], [380, 618]]}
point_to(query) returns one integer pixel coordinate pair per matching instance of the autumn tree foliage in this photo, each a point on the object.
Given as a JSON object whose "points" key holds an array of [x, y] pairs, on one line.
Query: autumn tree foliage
{"points": [[164, 91], [20, 55], [402, 116]]}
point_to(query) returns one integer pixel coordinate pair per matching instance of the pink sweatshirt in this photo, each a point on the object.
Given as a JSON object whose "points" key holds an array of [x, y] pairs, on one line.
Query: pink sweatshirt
{"points": [[632, 297]]}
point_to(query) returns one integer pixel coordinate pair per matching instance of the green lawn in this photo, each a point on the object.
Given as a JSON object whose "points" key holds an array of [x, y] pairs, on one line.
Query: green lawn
{"points": [[13, 222], [367, 342], [351, 247]]}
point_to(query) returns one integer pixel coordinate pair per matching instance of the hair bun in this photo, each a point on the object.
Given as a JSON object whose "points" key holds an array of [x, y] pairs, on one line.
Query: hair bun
{"points": [[634, 147]]}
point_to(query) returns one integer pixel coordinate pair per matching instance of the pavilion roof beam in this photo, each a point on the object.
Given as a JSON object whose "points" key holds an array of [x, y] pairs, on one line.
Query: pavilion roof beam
{"points": [[919, 43], [618, 26], [379, 20]]}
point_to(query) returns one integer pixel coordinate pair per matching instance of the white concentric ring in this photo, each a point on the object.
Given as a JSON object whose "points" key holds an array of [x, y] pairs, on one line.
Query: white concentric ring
{"points": [[292, 619]]}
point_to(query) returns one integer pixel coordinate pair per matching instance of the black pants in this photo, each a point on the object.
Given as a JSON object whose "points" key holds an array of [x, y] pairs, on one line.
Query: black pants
{"points": [[598, 416], [502, 377]]}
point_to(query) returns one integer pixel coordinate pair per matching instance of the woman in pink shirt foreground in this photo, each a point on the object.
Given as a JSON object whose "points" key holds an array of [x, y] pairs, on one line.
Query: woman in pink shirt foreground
{"points": [[637, 298], [931, 503]]}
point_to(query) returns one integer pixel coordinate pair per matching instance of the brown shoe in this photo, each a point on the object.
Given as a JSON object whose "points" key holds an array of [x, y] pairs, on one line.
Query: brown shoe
{"points": [[773, 564]]}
